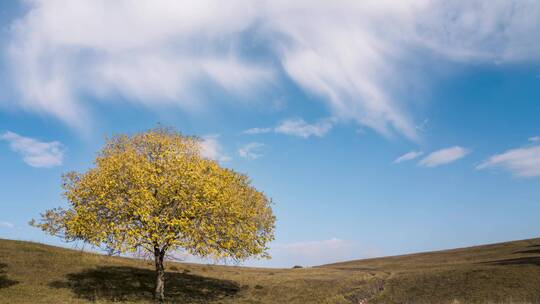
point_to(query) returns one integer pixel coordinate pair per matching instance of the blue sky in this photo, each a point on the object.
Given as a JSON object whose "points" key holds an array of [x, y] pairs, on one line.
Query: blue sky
{"points": [[378, 128]]}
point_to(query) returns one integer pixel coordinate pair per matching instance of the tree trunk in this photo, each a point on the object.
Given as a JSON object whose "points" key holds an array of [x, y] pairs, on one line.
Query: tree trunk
{"points": [[159, 293]]}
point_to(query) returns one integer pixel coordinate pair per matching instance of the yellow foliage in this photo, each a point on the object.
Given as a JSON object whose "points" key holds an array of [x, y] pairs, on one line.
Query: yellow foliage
{"points": [[154, 190]]}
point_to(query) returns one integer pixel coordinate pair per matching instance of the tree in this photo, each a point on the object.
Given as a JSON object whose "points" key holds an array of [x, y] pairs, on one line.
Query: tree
{"points": [[154, 191]]}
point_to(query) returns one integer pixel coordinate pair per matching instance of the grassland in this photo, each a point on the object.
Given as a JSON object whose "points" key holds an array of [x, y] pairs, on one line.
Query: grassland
{"points": [[498, 273]]}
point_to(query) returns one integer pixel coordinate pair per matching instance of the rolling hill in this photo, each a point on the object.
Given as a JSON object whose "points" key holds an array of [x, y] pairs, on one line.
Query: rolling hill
{"points": [[498, 273]]}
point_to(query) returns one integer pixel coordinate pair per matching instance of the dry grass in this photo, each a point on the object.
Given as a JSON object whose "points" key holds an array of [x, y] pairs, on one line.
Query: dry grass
{"points": [[500, 273], [46, 274]]}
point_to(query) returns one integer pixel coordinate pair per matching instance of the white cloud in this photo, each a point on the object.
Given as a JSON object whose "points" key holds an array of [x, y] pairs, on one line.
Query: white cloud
{"points": [[408, 156], [443, 156], [6, 225], [522, 162], [258, 131], [251, 150], [534, 139], [348, 52], [345, 51], [35, 153], [151, 52], [297, 127], [211, 148]]}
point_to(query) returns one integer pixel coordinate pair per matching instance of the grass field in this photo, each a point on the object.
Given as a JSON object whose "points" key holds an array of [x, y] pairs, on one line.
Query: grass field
{"points": [[498, 273]]}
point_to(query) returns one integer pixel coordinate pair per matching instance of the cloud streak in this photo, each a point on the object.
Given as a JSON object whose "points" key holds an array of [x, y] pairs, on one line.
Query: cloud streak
{"points": [[408, 156], [521, 162], [254, 131], [35, 153], [178, 45], [443, 157], [297, 127], [344, 51], [251, 150], [211, 148], [534, 139], [6, 225]]}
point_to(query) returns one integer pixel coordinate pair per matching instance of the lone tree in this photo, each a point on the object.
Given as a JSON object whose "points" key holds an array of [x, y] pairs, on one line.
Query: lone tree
{"points": [[154, 191]]}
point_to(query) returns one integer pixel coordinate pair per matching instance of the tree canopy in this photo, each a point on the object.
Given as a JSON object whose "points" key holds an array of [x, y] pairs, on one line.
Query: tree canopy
{"points": [[154, 191]]}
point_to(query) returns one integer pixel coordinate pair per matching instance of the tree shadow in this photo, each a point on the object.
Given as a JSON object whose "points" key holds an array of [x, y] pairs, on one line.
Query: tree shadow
{"points": [[4, 281], [129, 283]]}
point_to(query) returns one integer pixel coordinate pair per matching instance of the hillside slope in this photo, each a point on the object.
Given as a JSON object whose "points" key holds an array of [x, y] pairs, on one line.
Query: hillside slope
{"points": [[499, 273]]}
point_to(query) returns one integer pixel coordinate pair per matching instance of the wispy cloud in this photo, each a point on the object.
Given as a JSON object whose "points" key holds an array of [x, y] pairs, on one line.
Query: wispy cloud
{"points": [[521, 162], [408, 156], [258, 130], [443, 156], [251, 150], [534, 139], [343, 51], [361, 77], [6, 225], [211, 148], [178, 46], [297, 127], [35, 153]]}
